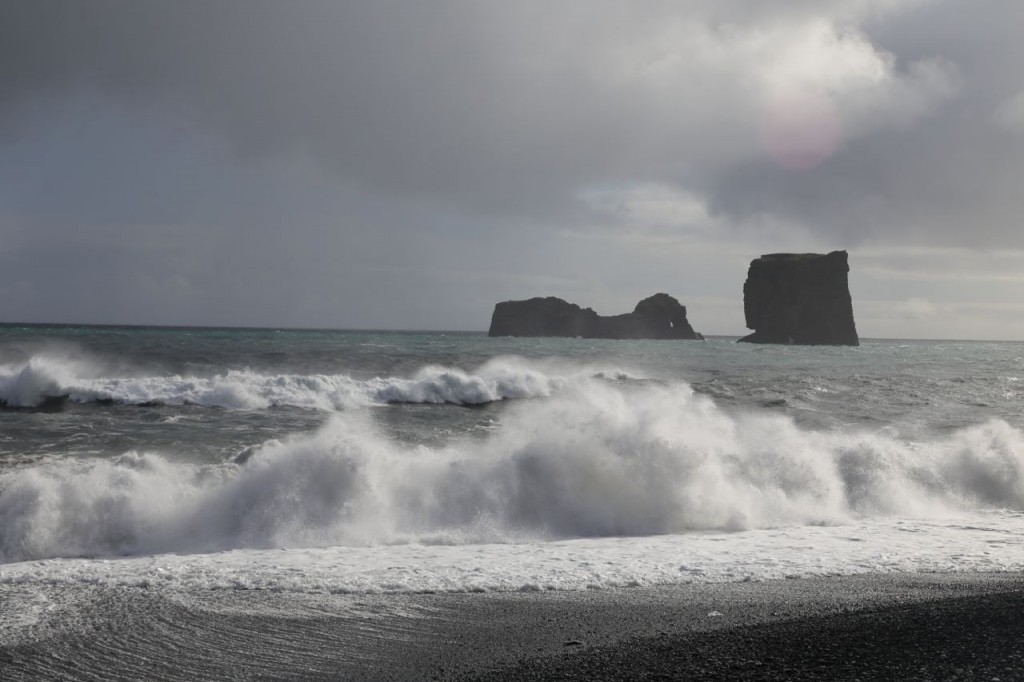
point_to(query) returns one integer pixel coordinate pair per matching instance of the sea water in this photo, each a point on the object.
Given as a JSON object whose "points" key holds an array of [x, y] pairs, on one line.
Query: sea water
{"points": [[307, 461]]}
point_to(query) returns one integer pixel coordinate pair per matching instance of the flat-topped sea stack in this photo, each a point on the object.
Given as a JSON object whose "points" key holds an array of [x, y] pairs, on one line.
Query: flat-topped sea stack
{"points": [[800, 298], [657, 317]]}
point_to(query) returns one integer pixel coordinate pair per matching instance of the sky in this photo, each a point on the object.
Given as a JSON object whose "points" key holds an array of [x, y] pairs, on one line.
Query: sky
{"points": [[406, 165]]}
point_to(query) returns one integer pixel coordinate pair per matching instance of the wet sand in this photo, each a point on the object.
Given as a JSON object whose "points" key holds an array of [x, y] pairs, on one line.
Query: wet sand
{"points": [[864, 627]]}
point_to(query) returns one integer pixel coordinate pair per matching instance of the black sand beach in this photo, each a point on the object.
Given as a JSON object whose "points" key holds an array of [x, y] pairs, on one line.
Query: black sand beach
{"points": [[930, 626], [951, 638]]}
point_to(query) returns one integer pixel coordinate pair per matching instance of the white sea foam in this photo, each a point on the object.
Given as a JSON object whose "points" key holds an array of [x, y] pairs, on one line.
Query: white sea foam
{"points": [[596, 460], [45, 377], [983, 542]]}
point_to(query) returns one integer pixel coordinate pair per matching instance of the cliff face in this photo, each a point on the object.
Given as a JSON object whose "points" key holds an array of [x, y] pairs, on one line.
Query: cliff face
{"points": [[657, 317], [801, 298]]}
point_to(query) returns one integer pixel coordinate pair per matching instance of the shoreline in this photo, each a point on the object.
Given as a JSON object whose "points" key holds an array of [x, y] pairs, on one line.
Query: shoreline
{"points": [[868, 626]]}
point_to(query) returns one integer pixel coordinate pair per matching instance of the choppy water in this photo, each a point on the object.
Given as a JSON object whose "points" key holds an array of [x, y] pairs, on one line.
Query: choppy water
{"points": [[320, 461]]}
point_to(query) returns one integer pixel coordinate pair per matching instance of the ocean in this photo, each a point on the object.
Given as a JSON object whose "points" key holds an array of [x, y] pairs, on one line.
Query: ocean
{"points": [[306, 461], [174, 497]]}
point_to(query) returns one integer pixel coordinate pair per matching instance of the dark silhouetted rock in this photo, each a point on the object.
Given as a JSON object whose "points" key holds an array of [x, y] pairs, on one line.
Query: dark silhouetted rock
{"points": [[542, 317], [801, 298], [657, 317]]}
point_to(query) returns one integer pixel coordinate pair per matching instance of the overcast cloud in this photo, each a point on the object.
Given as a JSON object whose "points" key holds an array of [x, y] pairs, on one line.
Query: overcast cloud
{"points": [[409, 164]]}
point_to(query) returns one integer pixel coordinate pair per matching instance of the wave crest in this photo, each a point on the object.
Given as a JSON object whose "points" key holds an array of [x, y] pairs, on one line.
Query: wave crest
{"points": [[45, 378]]}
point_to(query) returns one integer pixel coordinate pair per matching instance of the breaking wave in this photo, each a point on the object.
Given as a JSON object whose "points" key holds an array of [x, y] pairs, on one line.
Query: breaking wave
{"points": [[597, 459], [45, 378]]}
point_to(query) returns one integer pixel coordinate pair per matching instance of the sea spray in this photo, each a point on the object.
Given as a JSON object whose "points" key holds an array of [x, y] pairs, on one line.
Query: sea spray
{"points": [[596, 459], [44, 377]]}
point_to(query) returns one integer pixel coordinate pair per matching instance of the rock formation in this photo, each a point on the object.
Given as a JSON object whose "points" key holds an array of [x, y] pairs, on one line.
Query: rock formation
{"points": [[801, 298], [657, 317], [542, 317]]}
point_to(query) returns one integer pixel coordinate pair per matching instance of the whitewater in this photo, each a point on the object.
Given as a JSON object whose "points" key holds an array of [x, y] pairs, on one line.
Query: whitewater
{"points": [[194, 460]]}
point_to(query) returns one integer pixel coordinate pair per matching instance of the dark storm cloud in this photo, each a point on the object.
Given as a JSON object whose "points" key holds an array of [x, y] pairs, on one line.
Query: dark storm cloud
{"points": [[244, 161], [423, 98], [510, 106]]}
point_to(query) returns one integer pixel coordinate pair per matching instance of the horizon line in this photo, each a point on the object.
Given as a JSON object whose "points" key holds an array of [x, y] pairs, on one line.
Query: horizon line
{"points": [[409, 331]]}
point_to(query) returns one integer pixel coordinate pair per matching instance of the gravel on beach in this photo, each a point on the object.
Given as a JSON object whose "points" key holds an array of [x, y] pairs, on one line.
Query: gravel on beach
{"points": [[868, 627], [969, 638]]}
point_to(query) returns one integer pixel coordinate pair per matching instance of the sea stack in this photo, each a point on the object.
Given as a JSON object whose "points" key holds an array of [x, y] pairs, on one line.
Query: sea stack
{"points": [[800, 298], [657, 317]]}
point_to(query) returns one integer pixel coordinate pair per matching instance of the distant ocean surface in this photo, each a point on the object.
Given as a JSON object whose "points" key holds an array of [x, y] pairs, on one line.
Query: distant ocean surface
{"points": [[351, 462]]}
